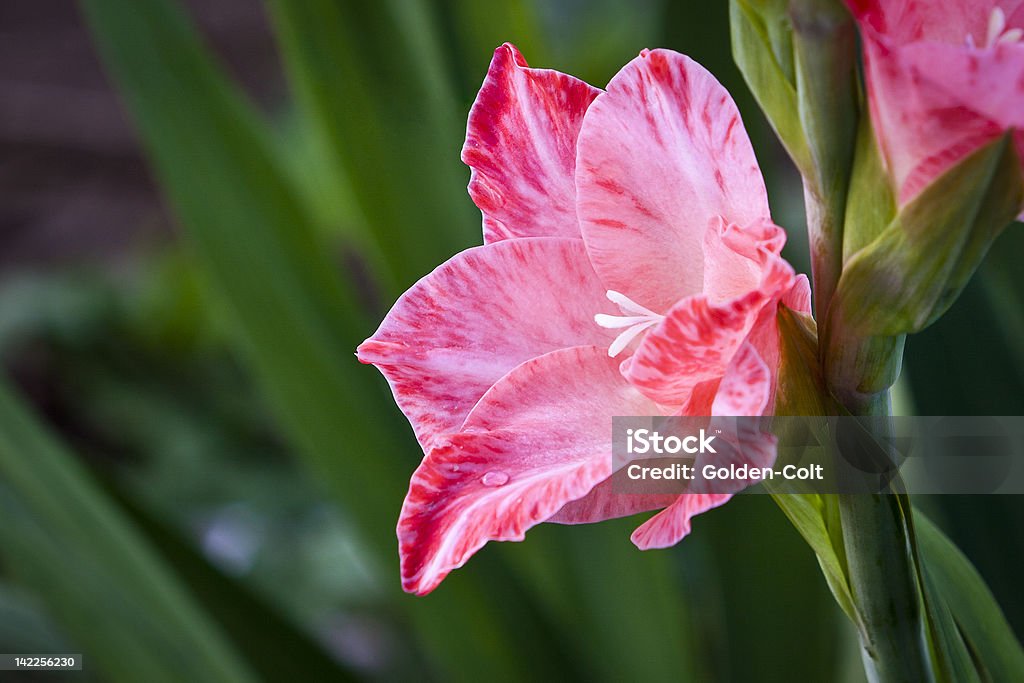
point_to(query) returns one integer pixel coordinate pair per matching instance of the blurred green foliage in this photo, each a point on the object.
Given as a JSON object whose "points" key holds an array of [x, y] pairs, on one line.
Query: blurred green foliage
{"points": [[223, 503]]}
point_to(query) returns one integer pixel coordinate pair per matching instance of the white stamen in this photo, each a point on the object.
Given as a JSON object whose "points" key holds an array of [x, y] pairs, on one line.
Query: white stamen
{"points": [[1012, 36], [626, 304], [996, 32], [996, 26], [622, 341], [612, 322], [636, 321]]}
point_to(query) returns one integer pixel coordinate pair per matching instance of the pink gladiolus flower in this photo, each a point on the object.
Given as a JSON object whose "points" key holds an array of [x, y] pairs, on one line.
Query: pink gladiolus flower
{"points": [[944, 79], [629, 267]]}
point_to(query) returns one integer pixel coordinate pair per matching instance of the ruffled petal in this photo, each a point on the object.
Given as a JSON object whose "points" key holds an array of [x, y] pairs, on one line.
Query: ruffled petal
{"points": [[672, 524], [540, 438], [603, 502], [693, 344], [458, 330], [744, 274], [661, 154], [745, 390], [521, 145], [735, 257]]}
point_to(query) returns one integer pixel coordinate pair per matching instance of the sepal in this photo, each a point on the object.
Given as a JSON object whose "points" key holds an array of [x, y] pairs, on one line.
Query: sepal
{"points": [[909, 275]]}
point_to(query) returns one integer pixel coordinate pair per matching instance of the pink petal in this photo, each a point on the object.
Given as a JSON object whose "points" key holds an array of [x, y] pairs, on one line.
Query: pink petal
{"points": [[933, 103], [950, 21], [672, 524], [660, 155], [521, 145], [734, 257], [746, 385], [699, 336], [603, 502], [540, 438], [798, 298], [458, 330], [745, 390], [693, 344]]}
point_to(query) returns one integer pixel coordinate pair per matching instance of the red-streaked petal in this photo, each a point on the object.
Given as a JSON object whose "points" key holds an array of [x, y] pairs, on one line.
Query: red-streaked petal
{"points": [[521, 145], [458, 330], [745, 390], [672, 524], [603, 502], [798, 298], [746, 385], [540, 438], [693, 344], [700, 335], [661, 154]]}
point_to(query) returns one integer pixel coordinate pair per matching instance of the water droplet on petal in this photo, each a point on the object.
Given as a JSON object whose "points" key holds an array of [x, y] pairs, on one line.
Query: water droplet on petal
{"points": [[494, 478]]}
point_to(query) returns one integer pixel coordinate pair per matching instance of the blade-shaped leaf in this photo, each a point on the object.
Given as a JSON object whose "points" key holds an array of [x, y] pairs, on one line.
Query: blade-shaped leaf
{"points": [[275, 648], [372, 78], [762, 44], [954, 585], [802, 391], [62, 537]]}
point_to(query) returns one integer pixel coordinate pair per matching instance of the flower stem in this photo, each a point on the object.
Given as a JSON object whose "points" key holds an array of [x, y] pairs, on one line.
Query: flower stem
{"points": [[882, 572], [824, 53], [880, 564]]}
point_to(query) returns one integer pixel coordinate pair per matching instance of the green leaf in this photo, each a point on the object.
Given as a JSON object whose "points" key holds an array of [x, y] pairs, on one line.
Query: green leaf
{"points": [[871, 202], [762, 45], [801, 391], [808, 512], [63, 538], [371, 78], [799, 58], [294, 321], [275, 648], [954, 585], [907, 277]]}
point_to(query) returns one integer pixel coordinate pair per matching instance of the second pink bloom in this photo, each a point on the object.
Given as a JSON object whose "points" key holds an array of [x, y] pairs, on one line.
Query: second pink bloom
{"points": [[944, 79]]}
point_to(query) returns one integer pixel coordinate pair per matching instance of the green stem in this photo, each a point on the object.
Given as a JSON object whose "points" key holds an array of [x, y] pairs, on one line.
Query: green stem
{"points": [[883, 581], [824, 53]]}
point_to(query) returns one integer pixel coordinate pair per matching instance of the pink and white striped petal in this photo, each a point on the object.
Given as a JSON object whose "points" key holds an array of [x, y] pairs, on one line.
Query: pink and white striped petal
{"points": [[745, 390], [457, 331], [735, 257], [660, 154], [540, 438], [521, 145], [693, 344], [603, 502], [672, 524], [699, 336], [923, 128]]}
